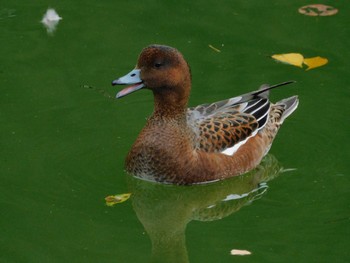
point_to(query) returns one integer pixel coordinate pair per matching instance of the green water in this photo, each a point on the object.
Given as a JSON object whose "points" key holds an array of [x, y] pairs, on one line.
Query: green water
{"points": [[63, 146]]}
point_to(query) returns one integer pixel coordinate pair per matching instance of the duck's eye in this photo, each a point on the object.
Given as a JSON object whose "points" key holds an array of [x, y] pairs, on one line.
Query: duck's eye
{"points": [[157, 65]]}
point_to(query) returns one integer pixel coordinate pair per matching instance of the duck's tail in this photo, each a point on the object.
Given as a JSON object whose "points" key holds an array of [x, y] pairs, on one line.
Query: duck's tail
{"points": [[278, 113], [288, 105]]}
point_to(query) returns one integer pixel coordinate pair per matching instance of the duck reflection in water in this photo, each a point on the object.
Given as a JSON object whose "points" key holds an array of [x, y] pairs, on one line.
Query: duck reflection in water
{"points": [[165, 210]]}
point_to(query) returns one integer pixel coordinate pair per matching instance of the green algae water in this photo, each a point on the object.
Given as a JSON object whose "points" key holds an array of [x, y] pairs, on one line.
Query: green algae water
{"points": [[63, 145]]}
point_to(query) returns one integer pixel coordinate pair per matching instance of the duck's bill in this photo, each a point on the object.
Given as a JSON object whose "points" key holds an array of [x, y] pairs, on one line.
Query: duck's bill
{"points": [[129, 90], [133, 77]]}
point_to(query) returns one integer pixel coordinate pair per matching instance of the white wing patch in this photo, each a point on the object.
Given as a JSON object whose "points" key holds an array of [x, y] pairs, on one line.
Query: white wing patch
{"points": [[232, 150]]}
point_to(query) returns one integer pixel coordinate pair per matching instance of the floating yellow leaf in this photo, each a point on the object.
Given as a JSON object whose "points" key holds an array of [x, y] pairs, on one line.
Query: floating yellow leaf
{"points": [[239, 252], [111, 200], [315, 62], [294, 59], [297, 59]]}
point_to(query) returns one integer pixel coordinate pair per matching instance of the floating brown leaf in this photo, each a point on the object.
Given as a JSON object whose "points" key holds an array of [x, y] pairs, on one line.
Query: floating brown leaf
{"points": [[318, 10]]}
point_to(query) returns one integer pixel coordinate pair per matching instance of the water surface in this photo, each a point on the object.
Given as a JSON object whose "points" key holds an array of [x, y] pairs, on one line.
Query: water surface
{"points": [[63, 146]]}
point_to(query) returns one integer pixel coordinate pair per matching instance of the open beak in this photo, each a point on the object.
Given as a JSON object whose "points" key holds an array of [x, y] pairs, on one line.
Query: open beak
{"points": [[133, 77]]}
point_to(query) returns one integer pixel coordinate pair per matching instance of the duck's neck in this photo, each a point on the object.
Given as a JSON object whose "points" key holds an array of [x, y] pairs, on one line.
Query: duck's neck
{"points": [[170, 103]]}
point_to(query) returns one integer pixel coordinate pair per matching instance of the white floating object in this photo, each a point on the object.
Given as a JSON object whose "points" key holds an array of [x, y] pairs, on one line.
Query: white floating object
{"points": [[51, 20], [239, 252]]}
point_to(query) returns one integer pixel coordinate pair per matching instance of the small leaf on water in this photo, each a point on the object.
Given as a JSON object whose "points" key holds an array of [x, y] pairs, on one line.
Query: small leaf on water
{"points": [[214, 48], [294, 59], [315, 62], [111, 200], [239, 252]]}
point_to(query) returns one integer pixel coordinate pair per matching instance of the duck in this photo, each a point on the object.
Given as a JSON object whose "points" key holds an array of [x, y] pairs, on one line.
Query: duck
{"points": [[201, 144]]}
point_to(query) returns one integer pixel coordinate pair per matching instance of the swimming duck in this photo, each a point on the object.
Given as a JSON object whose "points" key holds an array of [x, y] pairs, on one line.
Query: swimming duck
{"points": [[210, 142]]}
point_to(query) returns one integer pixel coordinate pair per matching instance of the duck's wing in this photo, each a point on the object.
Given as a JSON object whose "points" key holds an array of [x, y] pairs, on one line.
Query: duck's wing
{"points": [[223, 126], [219, 128]]}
